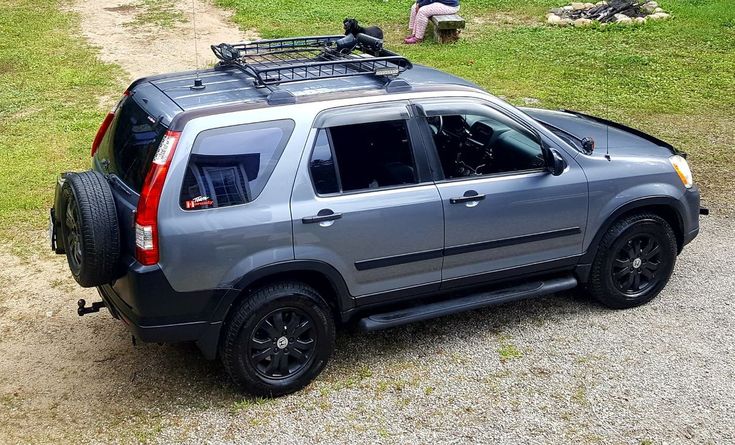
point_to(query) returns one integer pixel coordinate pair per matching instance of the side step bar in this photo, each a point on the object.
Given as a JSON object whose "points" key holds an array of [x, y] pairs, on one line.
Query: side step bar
{"points": [[470, 302]]}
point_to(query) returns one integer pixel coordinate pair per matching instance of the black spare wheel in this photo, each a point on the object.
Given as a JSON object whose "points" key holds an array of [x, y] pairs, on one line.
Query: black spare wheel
{"points": [[278, 339], [89, 228]]}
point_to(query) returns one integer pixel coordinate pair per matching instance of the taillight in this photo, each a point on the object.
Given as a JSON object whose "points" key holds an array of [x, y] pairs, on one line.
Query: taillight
{"points": [[146, 217], [106, 124]]}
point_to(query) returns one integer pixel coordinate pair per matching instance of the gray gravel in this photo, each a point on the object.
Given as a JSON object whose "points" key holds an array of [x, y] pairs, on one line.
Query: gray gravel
{"points": [[557, 370]]}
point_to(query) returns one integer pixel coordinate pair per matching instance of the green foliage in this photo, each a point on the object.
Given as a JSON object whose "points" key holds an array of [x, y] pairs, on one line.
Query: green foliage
{"points": [[50, 108]]}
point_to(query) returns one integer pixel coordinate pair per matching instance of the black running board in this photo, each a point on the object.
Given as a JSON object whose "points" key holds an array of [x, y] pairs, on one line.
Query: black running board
{"points": [[474, 301]]}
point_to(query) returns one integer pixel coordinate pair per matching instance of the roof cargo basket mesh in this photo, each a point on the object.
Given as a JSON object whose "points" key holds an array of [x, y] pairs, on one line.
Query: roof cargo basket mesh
{"points": [[274, 62]]}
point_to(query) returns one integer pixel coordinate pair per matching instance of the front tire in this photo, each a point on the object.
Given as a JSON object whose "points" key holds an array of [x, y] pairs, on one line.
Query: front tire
{"points": [[279, 339], [634, 261]]}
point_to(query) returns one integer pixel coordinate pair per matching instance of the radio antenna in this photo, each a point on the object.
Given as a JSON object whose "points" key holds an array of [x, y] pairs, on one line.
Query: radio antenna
{"points": [[198, 85], [607, 103]]}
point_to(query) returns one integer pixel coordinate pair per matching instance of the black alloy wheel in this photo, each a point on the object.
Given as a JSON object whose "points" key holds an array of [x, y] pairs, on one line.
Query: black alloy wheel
{"points": [[283, 343], [636, 265], [278, 338], [634, 261], [72, 234]]}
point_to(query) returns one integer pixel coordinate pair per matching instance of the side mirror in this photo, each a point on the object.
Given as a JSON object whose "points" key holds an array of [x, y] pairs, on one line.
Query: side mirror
{"points": [[557, 164], [588, 145]]}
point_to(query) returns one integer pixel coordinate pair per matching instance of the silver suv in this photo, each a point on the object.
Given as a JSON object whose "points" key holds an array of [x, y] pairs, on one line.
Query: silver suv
{"points": [[297, 185]]}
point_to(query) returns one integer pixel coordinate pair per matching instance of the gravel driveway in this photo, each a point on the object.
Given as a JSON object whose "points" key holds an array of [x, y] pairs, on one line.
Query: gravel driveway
{"points": [[555, 370]]}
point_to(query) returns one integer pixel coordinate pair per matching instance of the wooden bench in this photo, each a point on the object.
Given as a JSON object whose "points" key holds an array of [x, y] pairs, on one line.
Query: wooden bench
{"points": [[447, 27]]}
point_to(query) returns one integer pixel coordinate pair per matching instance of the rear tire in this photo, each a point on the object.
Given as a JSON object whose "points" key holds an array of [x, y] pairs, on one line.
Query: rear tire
{"points": [[634, 261], [89, 228], [279, 339]]}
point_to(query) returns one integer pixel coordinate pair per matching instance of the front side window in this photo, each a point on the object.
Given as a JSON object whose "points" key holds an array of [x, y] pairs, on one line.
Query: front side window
{"points": [[363, 157], [231, 166], [473, 144]]}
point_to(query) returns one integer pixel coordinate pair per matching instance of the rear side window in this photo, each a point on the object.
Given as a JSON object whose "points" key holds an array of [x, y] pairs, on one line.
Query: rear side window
{"points": [[363, 157], [231, 166], [131, 142]]}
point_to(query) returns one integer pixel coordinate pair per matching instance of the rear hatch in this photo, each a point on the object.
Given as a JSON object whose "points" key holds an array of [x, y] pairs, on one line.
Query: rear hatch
{"points": [[127, 149]]}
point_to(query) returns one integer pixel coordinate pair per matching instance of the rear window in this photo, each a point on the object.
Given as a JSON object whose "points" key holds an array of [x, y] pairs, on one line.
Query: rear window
{"points": [[131, 142], [231, 166]]}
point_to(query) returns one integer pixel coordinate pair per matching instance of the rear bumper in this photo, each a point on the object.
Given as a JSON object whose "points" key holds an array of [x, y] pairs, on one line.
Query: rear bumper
{"points": [[154, 312], [153, 333]]}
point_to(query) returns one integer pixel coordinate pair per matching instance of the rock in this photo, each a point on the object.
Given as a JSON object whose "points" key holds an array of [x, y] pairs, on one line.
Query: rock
{"points": [[658, 10], [576, 6], [565, 22], [582, 22], [640, 20], [601, 3], [553, 19], [589, 5], [658, 16], [650, 7], [556, 11], [623, 19], [567, 8]]}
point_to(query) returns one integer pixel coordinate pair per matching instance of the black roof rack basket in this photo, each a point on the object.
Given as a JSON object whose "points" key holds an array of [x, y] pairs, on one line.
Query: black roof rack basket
{"points": [[278, 61]]}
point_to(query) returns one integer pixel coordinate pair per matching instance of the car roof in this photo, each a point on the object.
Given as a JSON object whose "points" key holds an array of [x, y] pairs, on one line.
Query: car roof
{"points": [[224, 86]]}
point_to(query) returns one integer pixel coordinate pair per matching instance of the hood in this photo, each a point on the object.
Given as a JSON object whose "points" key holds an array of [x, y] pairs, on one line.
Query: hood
{"points": [[608, 136]]}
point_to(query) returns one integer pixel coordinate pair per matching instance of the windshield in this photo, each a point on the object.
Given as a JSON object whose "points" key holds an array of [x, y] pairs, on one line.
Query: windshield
{"points": [[563, 135]]}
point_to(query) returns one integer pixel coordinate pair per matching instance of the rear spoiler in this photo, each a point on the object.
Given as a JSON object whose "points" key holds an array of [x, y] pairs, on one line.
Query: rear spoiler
{"points": [[638, 133]]}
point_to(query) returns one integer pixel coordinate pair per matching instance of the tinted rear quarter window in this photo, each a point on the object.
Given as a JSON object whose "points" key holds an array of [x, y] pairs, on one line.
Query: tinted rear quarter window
{"points": [[131, 142], [231, 165]]}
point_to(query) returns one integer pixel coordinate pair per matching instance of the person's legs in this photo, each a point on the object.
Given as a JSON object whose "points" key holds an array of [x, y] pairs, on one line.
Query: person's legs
{"points": [[423, 15], [412, 19]]}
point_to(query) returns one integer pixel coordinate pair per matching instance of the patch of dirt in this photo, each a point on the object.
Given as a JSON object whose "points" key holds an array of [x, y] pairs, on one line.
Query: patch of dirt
{"points": [[58, 371], [147, 50], [504, 19], [71, 379], [122, 8]]}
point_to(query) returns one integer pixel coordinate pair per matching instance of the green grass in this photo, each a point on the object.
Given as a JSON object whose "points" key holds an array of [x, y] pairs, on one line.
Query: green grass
{"points": [[668, 66], [50, 89], [508, 351], [156, 13]]}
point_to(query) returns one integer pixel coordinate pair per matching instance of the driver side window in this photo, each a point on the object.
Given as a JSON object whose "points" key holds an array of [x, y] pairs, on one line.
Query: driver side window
{"points": [[473, 144]]}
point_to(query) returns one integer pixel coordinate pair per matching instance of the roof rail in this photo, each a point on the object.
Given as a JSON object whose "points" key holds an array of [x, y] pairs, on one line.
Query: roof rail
{"points": [[274, 62]]}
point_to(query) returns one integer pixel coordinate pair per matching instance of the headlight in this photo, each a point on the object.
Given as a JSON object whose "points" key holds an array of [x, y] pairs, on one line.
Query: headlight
{"points": [[682, 169]]}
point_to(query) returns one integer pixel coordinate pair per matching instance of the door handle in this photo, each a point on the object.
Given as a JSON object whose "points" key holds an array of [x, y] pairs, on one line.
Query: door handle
{"points": [[324, 215], [469, 196]]}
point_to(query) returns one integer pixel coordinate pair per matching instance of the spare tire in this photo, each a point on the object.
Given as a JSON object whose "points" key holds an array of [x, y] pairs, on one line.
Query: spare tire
{"points": [[89, 228]]}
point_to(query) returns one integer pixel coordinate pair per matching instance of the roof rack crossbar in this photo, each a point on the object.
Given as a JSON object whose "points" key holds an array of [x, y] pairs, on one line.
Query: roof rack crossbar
{"points": [[277, 61]]}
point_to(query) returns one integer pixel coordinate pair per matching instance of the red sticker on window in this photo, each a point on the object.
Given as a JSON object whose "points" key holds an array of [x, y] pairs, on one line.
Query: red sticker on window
{"points": [[199, 201]]}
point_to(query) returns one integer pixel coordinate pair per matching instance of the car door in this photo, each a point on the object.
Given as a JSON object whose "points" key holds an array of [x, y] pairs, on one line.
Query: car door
{"points": [[365, 203], [505, 213]]}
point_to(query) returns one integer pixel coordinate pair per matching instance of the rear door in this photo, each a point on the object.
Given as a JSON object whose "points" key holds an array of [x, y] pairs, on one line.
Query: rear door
{"points": [[364, 202], [127, 149], [505, 213]]}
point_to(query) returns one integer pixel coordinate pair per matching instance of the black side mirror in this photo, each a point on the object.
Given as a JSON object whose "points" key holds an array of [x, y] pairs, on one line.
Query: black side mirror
{"points": [[588, 145], [556, 164]]}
